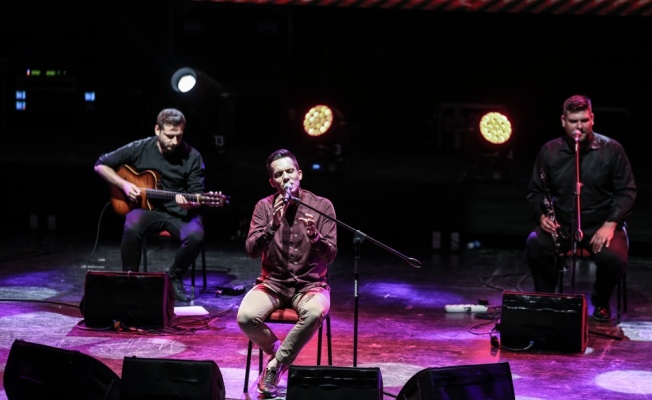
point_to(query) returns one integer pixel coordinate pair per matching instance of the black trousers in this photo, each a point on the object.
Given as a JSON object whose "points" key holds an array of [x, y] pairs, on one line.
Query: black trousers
{"points": [[139, 222], [610, 263]]}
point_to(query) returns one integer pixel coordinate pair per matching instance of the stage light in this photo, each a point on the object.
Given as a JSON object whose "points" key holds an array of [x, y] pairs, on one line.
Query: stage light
{"points": [[188, 79], [324, 139], [495, 127], [209, 109], [318, 120], [482, 134], [184, 79]]}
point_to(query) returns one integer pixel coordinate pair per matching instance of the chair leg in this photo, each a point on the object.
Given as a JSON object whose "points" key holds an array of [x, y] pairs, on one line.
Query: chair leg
{"points": [[621, 297], [624, 284], [329, 347], [203, 267], [192, 280], [246, 382], [328, 340], [144, 251], [203, 271], [319, 342]]}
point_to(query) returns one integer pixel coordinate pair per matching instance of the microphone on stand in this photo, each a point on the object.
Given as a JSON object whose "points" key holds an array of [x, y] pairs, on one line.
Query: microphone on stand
{"points": [[576, 135], [287, 195]]}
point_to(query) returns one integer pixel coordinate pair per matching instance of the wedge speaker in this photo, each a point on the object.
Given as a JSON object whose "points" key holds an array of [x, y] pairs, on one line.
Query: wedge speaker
{"points": [[36, 371], [461, 382], [167, 379], [130, 298], [328, 383], [543, 321]]}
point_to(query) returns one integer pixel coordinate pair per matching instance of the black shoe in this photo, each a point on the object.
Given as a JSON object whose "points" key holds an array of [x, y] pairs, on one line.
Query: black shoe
{"points": [[602, 314], [268, 381], [179, 291]]}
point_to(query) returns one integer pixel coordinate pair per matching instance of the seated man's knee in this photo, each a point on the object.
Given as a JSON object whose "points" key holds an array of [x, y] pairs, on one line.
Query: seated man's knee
{"points": [[313, 315], [247, 319], [130, 232], [195, 238]]}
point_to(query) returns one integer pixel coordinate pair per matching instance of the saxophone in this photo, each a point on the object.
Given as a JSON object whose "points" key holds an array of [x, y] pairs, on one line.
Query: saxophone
{"points": [[550, 210]]}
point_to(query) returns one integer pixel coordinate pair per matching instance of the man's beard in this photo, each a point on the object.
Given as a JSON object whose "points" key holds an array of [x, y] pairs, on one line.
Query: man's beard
{"points": [[169, 150]]}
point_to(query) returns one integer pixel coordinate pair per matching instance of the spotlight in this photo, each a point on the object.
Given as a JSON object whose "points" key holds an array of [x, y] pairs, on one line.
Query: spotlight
{"points": [[188, 79], [482, 133], [209, 108], [495, 127], [184, 80], [323, 139], [318, 120]]}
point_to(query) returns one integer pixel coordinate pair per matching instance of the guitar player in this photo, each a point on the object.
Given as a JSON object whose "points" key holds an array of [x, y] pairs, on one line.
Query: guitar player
{"points": [[177, 168]]}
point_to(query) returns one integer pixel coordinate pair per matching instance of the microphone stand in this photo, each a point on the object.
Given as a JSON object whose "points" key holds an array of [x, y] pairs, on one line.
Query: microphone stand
{"points": [[358, 238], [577, 221], [579, 235]]}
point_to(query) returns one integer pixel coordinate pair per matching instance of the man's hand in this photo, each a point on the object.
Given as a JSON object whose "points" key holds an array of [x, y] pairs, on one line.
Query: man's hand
{"points": [[131, 191], [548, 225], [309, 223], [184, 203], [279, 211], [602, 238]]}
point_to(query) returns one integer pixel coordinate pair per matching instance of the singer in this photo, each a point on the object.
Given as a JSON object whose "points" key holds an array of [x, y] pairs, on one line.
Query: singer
{"points": [[296, 246], [607, 196]]}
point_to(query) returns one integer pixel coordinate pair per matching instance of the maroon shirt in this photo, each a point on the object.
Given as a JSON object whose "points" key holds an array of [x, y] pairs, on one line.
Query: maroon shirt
{"points": [[290, 262]]}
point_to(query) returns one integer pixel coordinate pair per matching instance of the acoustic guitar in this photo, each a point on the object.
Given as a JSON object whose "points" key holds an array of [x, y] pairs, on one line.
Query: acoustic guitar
{"points": [[147, 182]]}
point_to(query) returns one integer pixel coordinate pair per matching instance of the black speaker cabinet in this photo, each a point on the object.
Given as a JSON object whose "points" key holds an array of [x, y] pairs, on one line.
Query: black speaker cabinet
{"points": [[543, 321], [131, 298], [328, 383], [36, 371], [461, 382], [167, 379]]}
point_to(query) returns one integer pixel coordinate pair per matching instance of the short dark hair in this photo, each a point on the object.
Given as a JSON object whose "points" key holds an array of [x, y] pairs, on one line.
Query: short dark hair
{"points": [[170, 116], [278, 154], [578, 102]]}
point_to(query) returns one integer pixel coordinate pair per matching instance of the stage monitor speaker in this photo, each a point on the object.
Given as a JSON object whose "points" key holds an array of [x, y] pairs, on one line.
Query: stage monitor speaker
{"points": [[168, 379], [144, 299], [36, 371], [544, 321], [461, 382], [328, 383]]}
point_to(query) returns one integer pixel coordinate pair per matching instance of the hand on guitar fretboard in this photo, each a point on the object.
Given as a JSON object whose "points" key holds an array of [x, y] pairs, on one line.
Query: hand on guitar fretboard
{"points": [[147, 182]]}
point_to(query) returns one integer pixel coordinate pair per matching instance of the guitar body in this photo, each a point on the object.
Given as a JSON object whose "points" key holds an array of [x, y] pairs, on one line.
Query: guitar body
{"points": [[146, 179]]}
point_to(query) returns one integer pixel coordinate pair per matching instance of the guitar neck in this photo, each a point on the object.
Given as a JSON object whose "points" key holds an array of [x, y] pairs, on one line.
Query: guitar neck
{"points": [[167, 195]]}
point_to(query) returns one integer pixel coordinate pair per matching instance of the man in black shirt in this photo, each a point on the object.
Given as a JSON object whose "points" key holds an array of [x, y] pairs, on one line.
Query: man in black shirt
{"points": [[179, 169], [607, 195]]}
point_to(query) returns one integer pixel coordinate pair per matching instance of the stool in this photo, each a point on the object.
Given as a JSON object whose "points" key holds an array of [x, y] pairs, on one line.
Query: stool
{"points": [[584, 255], [166, 235], [289, 316]]}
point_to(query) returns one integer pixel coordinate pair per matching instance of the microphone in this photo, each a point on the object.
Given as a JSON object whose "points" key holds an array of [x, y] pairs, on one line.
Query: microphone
{"points": [[287, 187], [576, 135]]}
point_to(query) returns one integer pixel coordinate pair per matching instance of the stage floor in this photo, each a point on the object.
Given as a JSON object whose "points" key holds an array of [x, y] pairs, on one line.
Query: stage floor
{"points": [[398, 312]]}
